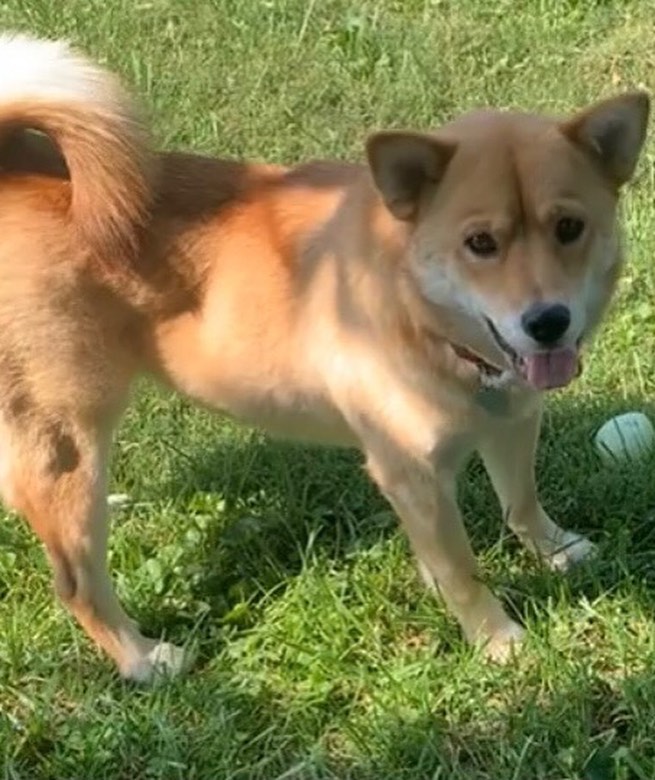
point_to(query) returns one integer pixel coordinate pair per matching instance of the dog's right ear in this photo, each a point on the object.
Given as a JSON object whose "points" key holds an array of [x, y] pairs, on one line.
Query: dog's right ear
{"points": [[613, 131], [403, 164]]}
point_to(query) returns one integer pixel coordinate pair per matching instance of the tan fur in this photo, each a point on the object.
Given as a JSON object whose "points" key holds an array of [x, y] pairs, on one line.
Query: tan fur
{"points": [[301, 300]]}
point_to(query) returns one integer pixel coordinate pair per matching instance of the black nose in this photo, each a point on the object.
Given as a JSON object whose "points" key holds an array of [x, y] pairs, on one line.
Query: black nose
{"points": [[546, 322]]}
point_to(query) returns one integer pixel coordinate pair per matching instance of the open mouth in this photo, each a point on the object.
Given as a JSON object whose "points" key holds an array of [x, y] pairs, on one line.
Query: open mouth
{"points": [[545, 370]]}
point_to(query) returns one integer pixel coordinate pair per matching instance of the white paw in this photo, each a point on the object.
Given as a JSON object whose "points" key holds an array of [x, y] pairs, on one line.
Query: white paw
{"points": [[164, 660], [572, 549], [502, 645]]}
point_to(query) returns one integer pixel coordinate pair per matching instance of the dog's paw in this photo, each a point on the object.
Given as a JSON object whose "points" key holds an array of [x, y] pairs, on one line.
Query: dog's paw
{"points": [[163, 660], [572, 549], [502, 645]]}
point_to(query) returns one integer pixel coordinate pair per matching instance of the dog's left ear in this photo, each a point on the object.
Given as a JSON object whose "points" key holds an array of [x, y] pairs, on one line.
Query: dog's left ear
{"points": [[614, 132], [403, 165]]}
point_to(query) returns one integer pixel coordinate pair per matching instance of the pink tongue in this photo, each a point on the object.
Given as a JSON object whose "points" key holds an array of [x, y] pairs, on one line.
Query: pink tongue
{"points": [[547, 370]]}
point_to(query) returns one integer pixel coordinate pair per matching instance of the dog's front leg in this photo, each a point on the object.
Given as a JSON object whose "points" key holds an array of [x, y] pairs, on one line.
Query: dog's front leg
{"points": [[424, 499], [509, 457]]}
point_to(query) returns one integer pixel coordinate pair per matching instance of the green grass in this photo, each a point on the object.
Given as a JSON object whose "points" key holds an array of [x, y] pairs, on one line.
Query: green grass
{"points": [[321, 655]]}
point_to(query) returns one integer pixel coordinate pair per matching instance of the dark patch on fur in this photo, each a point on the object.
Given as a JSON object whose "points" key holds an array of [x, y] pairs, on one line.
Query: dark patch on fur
{"points": [[66, 453], [64, 579], [18, 404]]}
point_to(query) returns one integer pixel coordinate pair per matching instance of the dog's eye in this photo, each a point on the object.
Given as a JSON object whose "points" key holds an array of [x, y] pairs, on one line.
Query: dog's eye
{"points": [[482, 244], [568, 229]]}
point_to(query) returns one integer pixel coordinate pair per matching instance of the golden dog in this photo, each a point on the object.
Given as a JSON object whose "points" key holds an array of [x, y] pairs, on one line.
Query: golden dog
{"points": [[415, 307]]}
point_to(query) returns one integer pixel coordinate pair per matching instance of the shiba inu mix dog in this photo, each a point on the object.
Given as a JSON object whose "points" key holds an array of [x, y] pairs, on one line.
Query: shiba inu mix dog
{"points": [[415, 307]]}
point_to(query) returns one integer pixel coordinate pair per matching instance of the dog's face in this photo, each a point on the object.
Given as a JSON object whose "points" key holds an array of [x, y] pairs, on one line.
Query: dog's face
{"points": [[514, 223]]}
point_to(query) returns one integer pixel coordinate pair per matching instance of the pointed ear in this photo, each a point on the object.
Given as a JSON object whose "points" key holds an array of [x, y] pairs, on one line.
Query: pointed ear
{"points": [[614, 132], [403, 164]]}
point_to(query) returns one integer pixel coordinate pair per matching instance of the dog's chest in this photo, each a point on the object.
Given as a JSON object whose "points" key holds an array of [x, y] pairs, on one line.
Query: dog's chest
{"points": [[494, 401], [502, 403]]}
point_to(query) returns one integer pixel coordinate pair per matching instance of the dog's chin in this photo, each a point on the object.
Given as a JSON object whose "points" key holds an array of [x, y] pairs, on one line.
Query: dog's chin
{"points": [[546, 369]]}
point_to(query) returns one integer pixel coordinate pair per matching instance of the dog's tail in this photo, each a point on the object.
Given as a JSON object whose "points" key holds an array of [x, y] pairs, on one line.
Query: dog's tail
{"points": [[86, 113]]}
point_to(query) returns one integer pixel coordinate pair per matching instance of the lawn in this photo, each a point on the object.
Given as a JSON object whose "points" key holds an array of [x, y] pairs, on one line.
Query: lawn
{"points": [[320, 654]]}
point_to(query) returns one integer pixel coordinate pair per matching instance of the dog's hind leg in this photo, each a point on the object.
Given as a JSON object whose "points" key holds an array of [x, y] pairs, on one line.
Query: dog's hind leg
{"points": [[54, 473]]}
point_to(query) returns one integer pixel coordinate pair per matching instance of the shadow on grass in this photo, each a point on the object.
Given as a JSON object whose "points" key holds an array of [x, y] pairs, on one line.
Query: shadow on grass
{"points": [[582, 731], [283, 504]]}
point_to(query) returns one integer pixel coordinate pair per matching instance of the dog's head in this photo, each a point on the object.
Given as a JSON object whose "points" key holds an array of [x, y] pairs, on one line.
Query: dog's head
{"points": [[513, 223]]}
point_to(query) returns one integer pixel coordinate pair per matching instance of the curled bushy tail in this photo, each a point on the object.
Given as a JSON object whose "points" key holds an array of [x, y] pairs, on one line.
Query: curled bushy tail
{"points": [[85, 111]]}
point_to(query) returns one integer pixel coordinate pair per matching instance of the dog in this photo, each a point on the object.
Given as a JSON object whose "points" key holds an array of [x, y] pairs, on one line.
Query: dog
{"points": [[416, 306]]}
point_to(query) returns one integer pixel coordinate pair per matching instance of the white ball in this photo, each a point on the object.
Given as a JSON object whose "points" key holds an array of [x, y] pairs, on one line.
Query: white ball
{"points": [[625, 437], [117, 500]]}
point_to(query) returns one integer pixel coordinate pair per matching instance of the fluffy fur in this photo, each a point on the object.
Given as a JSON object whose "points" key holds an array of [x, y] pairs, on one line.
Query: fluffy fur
{"points": [[332, 302]]}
